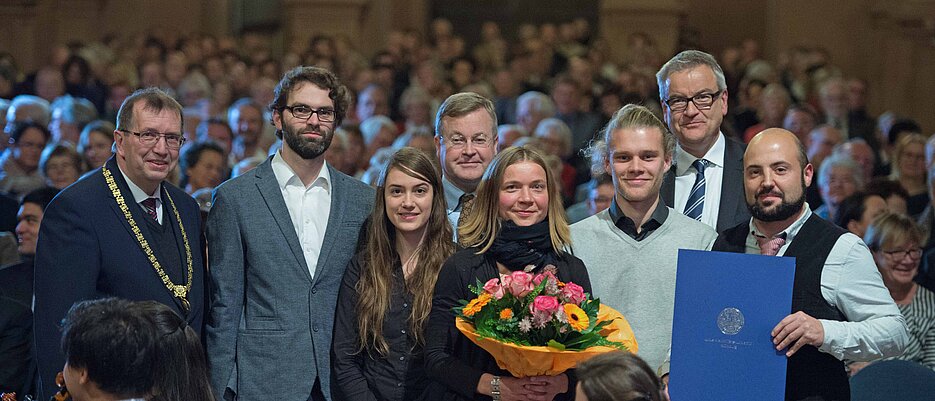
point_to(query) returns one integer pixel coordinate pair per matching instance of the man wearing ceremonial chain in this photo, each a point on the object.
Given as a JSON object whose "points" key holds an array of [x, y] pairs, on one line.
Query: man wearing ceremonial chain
{"points": [[121, 231]]}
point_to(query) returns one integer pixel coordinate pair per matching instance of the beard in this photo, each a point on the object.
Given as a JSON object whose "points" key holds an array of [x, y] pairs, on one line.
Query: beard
{"points": [[307, 148], [782, 211]]}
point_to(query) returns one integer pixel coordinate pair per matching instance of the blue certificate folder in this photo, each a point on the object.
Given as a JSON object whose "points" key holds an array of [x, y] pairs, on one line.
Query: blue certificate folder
{"points": [[726, 305]]}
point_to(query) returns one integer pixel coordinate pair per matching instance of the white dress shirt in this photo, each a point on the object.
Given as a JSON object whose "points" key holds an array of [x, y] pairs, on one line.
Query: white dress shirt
{"points": [[139, 195], [309, 207], [851, 282], [713, 174]]}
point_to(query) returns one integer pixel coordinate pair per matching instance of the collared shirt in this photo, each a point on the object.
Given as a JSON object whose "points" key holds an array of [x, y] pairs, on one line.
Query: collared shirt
{"points": [[309, 207], [713, 174], [628, 226], [851, 283], [140, 195], [453, 205]]}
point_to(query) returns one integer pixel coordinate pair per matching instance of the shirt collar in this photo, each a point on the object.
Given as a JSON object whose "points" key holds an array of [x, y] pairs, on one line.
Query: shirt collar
{"points": [[452, 194], [285, 175], [791, 231], [620, 220], [715, 155], [138, 194]]}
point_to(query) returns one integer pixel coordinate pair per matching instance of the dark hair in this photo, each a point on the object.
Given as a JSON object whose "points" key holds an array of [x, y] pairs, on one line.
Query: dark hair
{"points": [[83, 67], [885, 188], [192, 155], [322, 78], [902, 125], [154, 99], [56, 150], [851, 209], [618, 376], [19, 128], [116, 347], [601, 179], [41, 197], [202, 131], [182, 372]]}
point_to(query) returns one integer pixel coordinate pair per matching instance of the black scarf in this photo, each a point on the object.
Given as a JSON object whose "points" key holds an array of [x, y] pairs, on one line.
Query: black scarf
{"points": [[517, 247]]}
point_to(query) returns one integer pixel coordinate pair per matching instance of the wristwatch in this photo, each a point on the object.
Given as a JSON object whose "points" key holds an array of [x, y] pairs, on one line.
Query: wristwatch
{"points": [[495, 388]]}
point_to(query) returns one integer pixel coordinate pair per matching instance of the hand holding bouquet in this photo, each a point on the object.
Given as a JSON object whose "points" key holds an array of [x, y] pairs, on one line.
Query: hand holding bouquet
{"points": [[536, 325]]}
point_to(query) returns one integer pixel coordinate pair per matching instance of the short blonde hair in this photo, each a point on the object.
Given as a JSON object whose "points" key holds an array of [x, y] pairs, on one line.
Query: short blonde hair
{"points": [[892, 229], [629, 116], [482, 225]]}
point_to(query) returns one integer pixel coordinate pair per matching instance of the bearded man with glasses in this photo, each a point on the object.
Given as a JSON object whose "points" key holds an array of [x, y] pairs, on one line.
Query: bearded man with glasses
{"points": [[706, 178], [121, 231], [280, 237]]}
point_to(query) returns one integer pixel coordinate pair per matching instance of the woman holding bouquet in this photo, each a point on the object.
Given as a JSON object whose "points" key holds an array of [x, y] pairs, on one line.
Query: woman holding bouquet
{"points": [[386, 293], [517, 223]]}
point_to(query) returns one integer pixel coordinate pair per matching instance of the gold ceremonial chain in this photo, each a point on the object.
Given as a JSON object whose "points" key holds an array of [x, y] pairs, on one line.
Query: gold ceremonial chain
{"points": [[180, 291]]}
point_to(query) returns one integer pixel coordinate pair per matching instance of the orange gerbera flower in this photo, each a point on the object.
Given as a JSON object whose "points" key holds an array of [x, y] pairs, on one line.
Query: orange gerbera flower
{"points": [[577, 319], [506, 314], [476, 304]]}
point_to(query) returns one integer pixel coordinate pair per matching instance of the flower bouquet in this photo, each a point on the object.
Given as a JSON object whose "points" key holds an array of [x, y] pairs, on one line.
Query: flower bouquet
{"points": [[536, 325]]}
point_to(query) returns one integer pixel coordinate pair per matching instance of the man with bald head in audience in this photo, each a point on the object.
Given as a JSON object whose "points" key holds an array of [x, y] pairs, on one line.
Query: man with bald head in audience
{"points": [[840, 310], [704, 182]]}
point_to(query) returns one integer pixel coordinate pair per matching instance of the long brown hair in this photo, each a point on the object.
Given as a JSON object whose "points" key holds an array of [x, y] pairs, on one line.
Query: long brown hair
{"points": [[482, 225], [375, 286]]}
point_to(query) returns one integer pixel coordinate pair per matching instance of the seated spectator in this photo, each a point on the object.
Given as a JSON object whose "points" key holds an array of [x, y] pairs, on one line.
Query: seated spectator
{"points": [[860, 152], [419, 138], [69, 116], [25, 108], [909, 170], [895, 241], [856, 212], [507, 134], [379, 132], [555, 138], [838, 178], [800, 120], [617, 376], [218, 131], [61, 165], [20, 163], [533, 107], [121, 350], [894, 194], [773, 102], [16, 292], [202, 166], [600, 194], [96, 143], [821, 143]]}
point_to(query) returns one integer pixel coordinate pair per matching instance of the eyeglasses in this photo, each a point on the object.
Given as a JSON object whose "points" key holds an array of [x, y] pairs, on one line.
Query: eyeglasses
{"points": [[459, 141], [914, 253], [150, 138], [303, 112], [703, 101]]}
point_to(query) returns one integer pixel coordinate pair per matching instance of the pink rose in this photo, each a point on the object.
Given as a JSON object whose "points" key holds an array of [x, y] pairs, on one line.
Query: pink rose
{"points": [[545, 304], [520, 283], [573, 293], [493, 288]]}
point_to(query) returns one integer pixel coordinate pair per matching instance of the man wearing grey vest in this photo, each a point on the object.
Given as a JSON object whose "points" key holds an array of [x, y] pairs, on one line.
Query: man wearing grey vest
{"points": [[631, 248], [840, 307]]}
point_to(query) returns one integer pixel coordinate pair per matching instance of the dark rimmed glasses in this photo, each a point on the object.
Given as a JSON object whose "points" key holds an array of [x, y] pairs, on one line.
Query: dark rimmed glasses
{"points": [[303, 112], [703, 101], [150, 138]]}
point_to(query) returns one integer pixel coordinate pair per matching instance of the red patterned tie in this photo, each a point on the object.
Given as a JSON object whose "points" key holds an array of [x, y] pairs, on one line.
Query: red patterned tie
{"points": [[770, 246], [149, 205]]}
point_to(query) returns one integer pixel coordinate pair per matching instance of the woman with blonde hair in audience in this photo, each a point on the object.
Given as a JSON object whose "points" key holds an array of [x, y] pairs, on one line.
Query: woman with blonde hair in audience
{"points": [[910, 171], [386, 293], [895, 241], [516, 223]]}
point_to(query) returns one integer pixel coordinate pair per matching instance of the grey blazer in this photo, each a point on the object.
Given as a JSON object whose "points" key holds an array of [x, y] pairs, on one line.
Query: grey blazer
{"points": [[269, 327], [733, 210]]}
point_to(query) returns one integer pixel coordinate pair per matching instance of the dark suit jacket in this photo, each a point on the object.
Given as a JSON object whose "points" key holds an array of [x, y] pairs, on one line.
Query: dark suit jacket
{"points": [[87, 250], [269, 327], [733, 209]]}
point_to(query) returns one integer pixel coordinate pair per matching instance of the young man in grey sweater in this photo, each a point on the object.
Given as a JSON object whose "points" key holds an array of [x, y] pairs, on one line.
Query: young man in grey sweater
{"points": [[631, 249]]}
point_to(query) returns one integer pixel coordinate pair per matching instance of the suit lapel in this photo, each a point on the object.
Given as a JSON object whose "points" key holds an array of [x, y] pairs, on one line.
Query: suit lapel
{"points": [[271, 193], [731, 183], [335, 217]]}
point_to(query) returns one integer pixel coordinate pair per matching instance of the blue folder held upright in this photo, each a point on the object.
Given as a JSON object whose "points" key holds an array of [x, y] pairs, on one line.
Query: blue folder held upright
{"points": [[726, 305]]}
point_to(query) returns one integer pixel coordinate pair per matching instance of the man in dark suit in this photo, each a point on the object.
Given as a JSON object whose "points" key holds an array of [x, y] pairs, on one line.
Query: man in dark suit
{"points": [[706, 180], [280, 237], [121, 231]]}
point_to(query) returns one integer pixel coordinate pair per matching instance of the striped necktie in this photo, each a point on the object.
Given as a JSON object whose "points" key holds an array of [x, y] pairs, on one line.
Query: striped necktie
{"points": [[149, 206], [695, 203]]}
